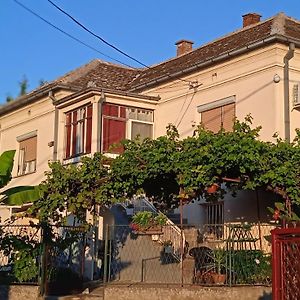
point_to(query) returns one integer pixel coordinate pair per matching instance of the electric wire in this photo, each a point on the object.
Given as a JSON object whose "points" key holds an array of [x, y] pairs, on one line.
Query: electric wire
{"points": [[186, 109], [103, 40], [96, 35], [69, 35]]}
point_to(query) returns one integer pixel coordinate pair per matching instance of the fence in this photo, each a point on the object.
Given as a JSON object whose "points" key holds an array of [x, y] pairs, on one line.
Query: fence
{"points": [[286, 268], [228, 254], [20, 265], [53, 257]]}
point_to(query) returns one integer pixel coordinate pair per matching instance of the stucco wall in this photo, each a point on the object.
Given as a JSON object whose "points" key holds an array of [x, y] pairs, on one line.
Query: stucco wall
{"points": [[37, 117], [249, 78]]}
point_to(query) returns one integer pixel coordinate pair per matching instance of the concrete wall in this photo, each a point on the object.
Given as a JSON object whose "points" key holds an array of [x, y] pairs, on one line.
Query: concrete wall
{"points": [[191, 293], [18, 292]]}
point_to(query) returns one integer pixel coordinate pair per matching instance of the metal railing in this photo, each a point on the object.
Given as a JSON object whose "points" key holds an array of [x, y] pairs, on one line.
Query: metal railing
{"points": [[170, 233]]}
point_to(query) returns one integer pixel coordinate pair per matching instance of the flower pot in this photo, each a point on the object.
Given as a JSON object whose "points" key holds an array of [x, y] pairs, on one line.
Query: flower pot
{"points": [[218, 278], [212, 188]]}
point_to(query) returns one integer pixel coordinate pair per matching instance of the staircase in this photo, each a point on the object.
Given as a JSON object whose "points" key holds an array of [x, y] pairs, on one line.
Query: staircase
{"points": [[171, 232], [139, 259]]}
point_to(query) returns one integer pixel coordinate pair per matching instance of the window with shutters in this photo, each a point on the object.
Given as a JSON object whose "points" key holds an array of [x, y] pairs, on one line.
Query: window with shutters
{"points": [[120, 122], [27, 155], [218, 114], [78, 131]]}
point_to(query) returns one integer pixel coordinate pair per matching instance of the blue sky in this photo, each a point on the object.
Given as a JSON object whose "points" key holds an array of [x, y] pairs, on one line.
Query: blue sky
{"points": [[147, 30]]}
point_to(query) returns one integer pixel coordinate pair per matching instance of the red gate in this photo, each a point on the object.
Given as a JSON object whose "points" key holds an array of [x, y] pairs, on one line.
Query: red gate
{"points": [[286, 263]]}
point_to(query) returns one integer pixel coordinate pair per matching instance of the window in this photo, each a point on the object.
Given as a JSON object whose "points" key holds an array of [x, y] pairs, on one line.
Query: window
{"points": [[215, 218], [27, 154], [120, 122], [78, 130], [219, 114]]}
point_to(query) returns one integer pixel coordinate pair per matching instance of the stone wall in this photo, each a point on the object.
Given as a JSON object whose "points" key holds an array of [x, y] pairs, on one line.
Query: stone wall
{"points": [[187, 293], [18, 292]]}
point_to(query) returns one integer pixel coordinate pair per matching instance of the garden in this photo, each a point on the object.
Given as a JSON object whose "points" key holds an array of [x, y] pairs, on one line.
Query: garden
{"points": [[169, 171]]}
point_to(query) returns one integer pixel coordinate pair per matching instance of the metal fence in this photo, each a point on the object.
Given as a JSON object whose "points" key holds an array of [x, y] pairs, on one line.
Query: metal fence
{"points": [[229, 254], [286, 268], [20, 253], [53, 257]]}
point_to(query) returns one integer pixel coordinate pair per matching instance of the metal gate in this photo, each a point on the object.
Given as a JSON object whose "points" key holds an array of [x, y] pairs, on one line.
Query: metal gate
{"points": [[286, 263]]}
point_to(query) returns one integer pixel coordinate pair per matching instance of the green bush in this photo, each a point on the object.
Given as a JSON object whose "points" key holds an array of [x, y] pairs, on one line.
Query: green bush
{"points": [[251, 266]]}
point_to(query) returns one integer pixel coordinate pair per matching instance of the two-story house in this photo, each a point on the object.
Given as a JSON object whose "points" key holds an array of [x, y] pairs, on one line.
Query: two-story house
{"points": [[255, 69]]}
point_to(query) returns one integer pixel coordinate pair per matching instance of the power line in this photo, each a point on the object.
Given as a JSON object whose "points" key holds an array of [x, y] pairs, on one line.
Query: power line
{"points": [[186, 109], [69, 35], [102, 39], [96, 35]]}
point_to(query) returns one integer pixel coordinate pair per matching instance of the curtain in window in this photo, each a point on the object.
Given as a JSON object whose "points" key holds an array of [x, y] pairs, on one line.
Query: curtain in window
{"points": [[142, 130]]}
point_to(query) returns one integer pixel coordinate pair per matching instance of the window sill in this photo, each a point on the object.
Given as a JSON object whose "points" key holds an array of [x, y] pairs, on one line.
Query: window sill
{"points": [[22, 175], [75, 159]]}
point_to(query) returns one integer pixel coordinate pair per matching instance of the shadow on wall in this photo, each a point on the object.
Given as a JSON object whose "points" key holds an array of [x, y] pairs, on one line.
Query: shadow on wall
{"points": [[265, 296], [249, 206]]}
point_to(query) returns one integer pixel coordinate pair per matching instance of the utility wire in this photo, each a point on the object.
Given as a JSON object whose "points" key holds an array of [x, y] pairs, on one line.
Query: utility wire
{"points": [[69, 35], [96, 35], [186, 109], [103, 40]]}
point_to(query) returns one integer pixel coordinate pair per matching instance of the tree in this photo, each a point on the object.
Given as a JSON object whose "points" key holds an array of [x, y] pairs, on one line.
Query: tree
{"points": [[23, 84], [72, 189], [167, 169]]}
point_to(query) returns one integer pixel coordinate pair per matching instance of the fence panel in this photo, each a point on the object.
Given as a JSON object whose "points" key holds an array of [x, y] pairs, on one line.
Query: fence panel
{"points": [[20, 254], [286, 267], [228, 254]]}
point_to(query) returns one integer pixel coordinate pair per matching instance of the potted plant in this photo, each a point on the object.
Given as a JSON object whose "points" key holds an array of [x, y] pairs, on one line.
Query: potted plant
{"points": [[212, 188], [146, 222], [219, 258]]}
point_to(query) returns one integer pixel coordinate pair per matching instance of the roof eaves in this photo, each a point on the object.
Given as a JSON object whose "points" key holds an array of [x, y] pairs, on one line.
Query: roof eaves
{"points": [[219, 58], [93, 90], [32, 97]]}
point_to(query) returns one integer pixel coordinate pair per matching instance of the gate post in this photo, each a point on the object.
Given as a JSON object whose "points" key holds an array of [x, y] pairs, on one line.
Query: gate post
{"points": [[276, 286], [105, 279]]}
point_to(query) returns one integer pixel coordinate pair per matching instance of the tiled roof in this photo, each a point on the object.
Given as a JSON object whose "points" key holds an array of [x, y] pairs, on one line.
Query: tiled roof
{"points": [[101, 74], [279, 25]]}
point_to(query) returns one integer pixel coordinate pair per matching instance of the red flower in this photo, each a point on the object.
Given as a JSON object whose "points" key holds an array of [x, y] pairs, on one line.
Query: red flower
{"points": [[276, 214], [134, 227]]}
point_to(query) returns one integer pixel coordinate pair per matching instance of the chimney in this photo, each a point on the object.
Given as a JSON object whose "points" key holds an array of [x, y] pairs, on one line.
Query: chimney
{"points": [[184, 46], [250, 19]]}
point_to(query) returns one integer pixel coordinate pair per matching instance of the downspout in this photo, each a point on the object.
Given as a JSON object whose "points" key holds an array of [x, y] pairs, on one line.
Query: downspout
{"points": [[99, 129], [287, 123], [55, 137]]}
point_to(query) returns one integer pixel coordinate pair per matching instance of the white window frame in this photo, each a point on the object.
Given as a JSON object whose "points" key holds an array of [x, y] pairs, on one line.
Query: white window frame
{"points": [[129, 127], [30, 167]]}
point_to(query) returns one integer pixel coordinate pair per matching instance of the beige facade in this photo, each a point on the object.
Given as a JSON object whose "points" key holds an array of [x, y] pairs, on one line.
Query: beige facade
{"points": [[249, 76]]}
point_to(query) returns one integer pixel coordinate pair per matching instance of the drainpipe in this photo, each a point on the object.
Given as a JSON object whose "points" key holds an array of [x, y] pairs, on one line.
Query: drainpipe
{"points": [[51, 96], [99, 129], [289, 55]]}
